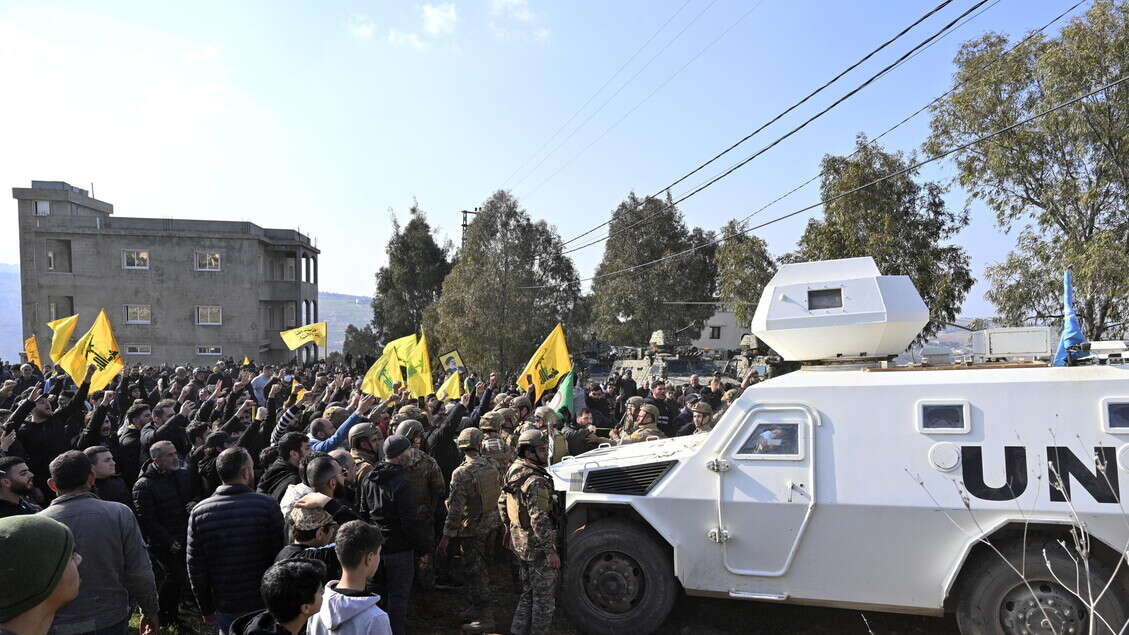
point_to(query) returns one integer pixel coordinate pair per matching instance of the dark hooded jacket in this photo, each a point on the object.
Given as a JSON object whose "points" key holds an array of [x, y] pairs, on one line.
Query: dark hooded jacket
{"points": [[277, 478], [161, 500], [386, 501], [258, 623]]}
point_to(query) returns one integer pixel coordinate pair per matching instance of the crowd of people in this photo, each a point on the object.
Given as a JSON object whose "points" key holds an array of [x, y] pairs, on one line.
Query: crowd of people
{"points": [[270, 499]]}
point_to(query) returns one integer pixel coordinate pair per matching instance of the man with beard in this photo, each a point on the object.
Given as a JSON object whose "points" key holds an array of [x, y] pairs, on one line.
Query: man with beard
{"points": [[15, 487], [161, 497], [284, 471], [364, 446], [47, 435], [526, 508]]}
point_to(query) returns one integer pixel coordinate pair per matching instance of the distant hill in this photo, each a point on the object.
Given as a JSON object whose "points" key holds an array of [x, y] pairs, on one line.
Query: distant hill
{"points": [[338, 309]]}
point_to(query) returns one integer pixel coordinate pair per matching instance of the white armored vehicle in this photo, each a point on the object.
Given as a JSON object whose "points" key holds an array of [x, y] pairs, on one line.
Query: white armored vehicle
{"points": [[991, 491]]}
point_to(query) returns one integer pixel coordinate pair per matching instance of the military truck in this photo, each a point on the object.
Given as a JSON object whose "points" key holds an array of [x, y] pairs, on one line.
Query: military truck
{"points": [[667, 357], [991, 490]]}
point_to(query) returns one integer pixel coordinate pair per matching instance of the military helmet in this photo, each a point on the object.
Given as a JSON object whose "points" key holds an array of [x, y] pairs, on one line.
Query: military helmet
{"points": [[650, 409], [533, 438], [364, 430], [509, 415], [635, 401], [412, 411], [546, 413], [489, 421], [702, 407], [410, 428], [469, 439], [521, 402], [397, 419]]}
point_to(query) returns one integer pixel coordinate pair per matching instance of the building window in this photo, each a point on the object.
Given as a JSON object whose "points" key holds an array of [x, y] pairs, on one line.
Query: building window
{"points": [[59, 306], [291, 316], [53, 311], [715, 332], [135, 259], [209, 350], [209, 315], [50, 260], [138, 349], [291, 268], [42, 208], [58, 255], [138, 314], [207, 261]]}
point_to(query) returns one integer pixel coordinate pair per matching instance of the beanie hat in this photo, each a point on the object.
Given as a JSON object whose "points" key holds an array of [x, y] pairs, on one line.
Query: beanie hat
{"points": [[308, 518], [395, 445], [34, 552]]}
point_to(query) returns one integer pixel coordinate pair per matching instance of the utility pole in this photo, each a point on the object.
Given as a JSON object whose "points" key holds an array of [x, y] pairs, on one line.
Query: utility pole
{"points": [[465, 223]]}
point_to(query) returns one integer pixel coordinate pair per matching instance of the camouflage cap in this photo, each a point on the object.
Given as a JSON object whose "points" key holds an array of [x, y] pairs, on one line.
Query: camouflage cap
{"points": [[309, 518], [702, 407], [469, 439], [509, 415], [412, 411], [635, 401], [521, 402], [489, 421]]}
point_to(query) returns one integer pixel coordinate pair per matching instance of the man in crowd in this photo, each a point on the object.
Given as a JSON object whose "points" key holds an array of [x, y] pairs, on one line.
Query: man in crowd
{"points": [[116, 570], [702, 419], [428, 490], [284, 471], [39, 574], [107, 484], [48, 434], [646, 426], [525, 507], [162, 498], [365, 440], [292, 593], [664, 420], [347, 607], [471, 518], [15, 487], [233, 537]]}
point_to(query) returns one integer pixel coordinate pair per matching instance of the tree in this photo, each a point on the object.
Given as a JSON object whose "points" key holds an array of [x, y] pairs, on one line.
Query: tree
{"points": [[410, 282], [627, 307], [511, 286], [902, 224], [360, 341], [1061, 179], [744, 268]]}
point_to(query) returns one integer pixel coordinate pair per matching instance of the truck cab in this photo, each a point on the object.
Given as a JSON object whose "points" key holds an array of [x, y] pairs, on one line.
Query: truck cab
{"points": [[992, 490]]}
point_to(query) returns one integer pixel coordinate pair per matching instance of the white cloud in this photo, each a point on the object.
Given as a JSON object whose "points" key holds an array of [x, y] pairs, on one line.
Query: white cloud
{"points": [[400, 38], [516, 9], [439, 19], [201, 54], [361, 26], [543, 33]]}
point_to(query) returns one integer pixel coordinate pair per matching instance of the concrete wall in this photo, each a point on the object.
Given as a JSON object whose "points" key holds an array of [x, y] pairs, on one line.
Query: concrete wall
{"points": [[171, 286]]}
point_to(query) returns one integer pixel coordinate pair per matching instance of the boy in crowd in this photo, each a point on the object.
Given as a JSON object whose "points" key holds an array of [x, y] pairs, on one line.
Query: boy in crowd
{"points": [[348, 608]]}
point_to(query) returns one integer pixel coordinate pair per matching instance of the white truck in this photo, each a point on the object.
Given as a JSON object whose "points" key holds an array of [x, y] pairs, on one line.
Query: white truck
{"points": [[991, 491]]}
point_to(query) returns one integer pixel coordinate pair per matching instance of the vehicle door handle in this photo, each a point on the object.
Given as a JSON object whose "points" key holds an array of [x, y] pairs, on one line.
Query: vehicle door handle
{"points": [[793, 486]]}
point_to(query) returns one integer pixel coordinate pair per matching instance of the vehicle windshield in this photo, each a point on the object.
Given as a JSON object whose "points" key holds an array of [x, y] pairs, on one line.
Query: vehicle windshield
{"points": [[686, 367]]}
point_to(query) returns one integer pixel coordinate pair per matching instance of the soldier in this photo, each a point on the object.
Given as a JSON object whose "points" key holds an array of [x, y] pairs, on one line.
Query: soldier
{"points": [[426, 480], [494, 446], [627, 424], [509, 421], [646, 426], [526, 510], [470, 519], [545, 420], [522, 407], [365, 440]]}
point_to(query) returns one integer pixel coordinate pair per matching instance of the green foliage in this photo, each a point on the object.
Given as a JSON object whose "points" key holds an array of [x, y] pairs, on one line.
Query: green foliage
{"points": [[744, 268], [484, 311], [410, 282], [904, 225], [628, 307], [360, 341], [1062, 179]]}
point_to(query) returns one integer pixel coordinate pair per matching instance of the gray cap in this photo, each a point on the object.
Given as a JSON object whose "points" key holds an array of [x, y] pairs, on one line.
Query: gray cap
{"points": [[395, 445]]}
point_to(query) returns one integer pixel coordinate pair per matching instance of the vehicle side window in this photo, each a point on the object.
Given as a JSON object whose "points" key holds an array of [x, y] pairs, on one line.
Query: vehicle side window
{"points": [[944, 416], [1115, 415], [778, 439]]}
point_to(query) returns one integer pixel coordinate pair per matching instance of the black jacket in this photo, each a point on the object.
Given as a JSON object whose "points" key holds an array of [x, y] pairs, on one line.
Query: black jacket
{"points": [[277, 477], [51, 437], [233, 537], [258, 623], [441, 442], [577, 439], [129, 460], [667, 415], [386, 501], [161, 500], [115, 490]]}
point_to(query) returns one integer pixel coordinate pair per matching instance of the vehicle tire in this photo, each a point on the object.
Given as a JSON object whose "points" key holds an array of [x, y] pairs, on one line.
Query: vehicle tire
{"points": [[996, 601], [617, 580]]}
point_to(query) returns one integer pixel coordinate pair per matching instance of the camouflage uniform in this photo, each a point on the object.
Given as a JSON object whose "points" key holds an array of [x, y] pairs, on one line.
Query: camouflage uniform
{"points": [[644, 431], [494, 446], [526, 510], [558, 445], [363, 459], [470, 519]]}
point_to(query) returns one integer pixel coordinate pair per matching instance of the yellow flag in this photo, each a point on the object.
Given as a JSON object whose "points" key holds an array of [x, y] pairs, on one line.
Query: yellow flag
{"points": [[61, 331], [31, 349], [452, 388], [403, 346], [97, 347], [246, 361], [383, 375], [417, 366], [549, 364], [310, 333]]}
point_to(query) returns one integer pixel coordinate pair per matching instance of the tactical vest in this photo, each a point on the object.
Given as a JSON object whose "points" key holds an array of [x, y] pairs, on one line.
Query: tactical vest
{"points": [[478, 507]]}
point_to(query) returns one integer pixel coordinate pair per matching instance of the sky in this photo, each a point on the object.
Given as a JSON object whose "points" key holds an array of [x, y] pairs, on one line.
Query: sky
{"points": [[333, 117]]}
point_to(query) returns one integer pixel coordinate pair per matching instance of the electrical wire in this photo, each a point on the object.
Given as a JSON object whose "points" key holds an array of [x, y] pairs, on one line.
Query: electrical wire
{"points": [[794, 130], [617, 92], [792, 107], [880, 179], [598, 91]]}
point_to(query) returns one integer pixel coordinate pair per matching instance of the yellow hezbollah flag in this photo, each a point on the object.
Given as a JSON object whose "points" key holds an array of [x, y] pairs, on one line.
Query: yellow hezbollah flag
{"points": [[382, 375], [31, 349], [310, 333], [403, 346], [61, 331], [246, 361], [548, 365], [97, 347], [417, 368], [452, 388]]}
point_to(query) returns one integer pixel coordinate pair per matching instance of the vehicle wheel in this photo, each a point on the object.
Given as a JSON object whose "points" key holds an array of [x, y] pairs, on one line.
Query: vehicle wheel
{"points": [[996, 601], [617, 579]]}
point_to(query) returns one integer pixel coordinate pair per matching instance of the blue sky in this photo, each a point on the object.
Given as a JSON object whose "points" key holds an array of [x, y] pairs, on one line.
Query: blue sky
{"points": [[331, 116]]}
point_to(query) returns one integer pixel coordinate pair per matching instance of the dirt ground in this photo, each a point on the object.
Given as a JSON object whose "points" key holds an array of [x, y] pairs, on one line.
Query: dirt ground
{"points": [[437, 612]]}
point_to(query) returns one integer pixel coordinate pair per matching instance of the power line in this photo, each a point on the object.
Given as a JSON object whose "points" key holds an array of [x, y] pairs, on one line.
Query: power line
{"points": [[880, 179], [815, 92], [791, 132], [617, 92], [645, 99], [598, 91]]}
